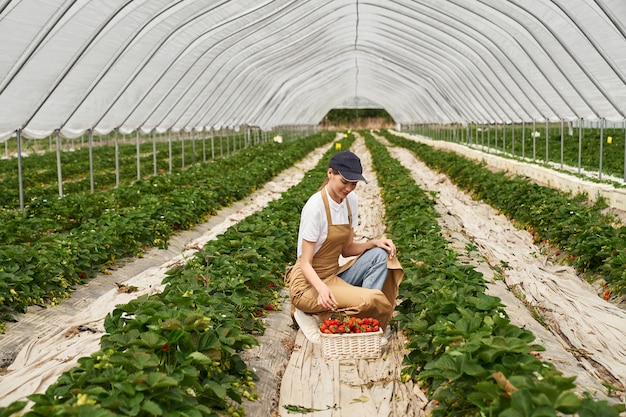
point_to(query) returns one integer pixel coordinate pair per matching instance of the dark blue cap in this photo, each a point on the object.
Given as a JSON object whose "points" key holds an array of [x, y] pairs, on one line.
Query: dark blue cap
{"points": [[348, 165]]}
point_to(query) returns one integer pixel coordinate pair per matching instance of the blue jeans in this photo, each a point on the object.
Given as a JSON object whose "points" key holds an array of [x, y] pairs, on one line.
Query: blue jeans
{"points": [[369, 270]]}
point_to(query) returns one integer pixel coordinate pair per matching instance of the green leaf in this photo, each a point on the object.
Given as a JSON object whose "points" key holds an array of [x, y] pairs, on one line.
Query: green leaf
{"points": [[152, 340], [567, 402], [218, 389], [152, 408], [522, 401], [200, 358]]}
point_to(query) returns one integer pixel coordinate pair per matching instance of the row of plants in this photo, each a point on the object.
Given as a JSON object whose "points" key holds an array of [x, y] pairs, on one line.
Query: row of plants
{"points": [[58, 244], [178, 353], [518, 141], [43, 216], [40, 176], [594, 243], [463, 350]]}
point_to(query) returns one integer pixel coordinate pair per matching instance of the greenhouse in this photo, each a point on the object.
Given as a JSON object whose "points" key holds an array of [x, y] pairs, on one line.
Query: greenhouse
{"points": [[160, 165]]}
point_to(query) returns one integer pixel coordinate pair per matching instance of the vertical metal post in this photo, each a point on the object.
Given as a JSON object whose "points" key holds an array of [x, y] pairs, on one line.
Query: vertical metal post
{"points": [[512, 138], [182, 135], [154, 152], [580, 143], [117, 158], [547, 141], [212, 144], [20, 179], [482, 135], [169, 147], [91, 180], [523, 139], [476, 131], [625, 150], [489, 139], [601, 122], [204, 145], [534, 140], [193, 144], [59, 170], [138, 155], [562, 143], [496, 139]]}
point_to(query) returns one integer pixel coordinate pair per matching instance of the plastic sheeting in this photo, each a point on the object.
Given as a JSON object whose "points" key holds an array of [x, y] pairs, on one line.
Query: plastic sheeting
{"points": [[158, 65]]}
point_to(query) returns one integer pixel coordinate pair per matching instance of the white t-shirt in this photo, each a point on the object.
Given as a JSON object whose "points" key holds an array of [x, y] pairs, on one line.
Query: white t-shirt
{"points": [[313, 222]]}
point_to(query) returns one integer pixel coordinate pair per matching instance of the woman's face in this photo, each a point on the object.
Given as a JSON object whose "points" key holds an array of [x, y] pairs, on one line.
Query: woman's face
{"points": [[338, 188]]}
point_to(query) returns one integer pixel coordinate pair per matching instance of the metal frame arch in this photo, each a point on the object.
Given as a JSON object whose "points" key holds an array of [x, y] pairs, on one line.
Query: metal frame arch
{"points": [[222, 93]]}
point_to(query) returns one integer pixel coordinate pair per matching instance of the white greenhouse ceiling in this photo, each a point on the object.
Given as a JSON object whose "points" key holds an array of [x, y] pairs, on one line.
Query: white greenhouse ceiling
{"points": [[158, 65]]}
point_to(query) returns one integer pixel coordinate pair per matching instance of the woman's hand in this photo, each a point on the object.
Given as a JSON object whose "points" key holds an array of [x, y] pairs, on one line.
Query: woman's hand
{"points": [[326, 298], [387, 245]]}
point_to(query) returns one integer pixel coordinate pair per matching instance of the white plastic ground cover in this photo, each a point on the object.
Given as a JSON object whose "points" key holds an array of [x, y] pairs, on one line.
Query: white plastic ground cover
{"points": [[159, 65]]}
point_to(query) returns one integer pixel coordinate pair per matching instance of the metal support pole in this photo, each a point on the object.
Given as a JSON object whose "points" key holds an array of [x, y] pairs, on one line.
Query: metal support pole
{"points": [[534, 141], [523, 139], [59, 170], [193, 144], [20, 179], [562, 139], [580, 143], [169, 147], [138, 155], [512, 138], [476, 131], [601, 147], [482, 135], [182, 135], [154, 152], [91, 180], [117, 158], [204, 146], [496, 139], [547, 141]]}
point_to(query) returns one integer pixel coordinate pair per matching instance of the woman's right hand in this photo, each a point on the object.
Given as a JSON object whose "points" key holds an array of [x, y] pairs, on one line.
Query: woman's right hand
{"points": [[326, 298]]}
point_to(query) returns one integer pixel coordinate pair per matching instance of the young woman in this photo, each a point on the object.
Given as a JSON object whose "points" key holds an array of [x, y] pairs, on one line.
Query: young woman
{"points": [[365, 286]]}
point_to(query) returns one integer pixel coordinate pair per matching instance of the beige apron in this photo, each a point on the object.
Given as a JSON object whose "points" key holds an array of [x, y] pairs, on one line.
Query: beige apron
{"points": [[352, 300]]}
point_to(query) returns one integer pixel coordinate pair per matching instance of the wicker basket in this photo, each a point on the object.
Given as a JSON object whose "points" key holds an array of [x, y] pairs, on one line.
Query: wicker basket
{"points": [[352, 345]]}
